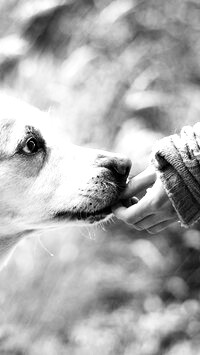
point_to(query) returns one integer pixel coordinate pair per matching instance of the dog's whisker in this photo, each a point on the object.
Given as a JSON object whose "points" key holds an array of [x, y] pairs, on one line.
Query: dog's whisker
{"points": [[101, 224], [44, 247], [91, 233]]}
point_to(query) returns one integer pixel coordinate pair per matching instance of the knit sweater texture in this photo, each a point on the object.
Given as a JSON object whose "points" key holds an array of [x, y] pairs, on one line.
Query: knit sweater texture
{"points": [[177, 161]]}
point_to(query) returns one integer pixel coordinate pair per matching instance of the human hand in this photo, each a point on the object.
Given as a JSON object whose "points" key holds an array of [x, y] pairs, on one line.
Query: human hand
{"points": [[154, 212]]}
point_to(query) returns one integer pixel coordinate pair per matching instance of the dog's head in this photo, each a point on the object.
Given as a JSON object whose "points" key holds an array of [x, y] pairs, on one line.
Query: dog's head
{"points": [[44, 179]]}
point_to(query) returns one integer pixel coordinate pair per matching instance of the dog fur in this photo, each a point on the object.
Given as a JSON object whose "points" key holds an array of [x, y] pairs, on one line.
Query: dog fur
{"points": [[58, 183]]}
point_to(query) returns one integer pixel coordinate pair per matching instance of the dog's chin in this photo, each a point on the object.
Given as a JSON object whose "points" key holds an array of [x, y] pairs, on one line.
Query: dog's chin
{"points": [[84, 216]]}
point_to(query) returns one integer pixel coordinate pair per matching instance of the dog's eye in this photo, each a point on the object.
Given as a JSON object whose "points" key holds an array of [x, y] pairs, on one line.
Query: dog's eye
{"points": [[32, 143], [31, 146]]}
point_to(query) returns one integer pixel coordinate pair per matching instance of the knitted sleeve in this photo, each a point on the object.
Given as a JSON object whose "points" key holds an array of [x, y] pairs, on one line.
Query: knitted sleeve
{"points": [[177, 161]]}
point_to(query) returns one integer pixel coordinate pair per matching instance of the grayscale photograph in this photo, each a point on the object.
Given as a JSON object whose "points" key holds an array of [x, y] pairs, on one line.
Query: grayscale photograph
{"points": [[99, 177]]}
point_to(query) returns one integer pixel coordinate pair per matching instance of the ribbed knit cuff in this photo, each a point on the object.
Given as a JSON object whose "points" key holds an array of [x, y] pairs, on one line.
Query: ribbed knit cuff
{"points": [[180, 184]]}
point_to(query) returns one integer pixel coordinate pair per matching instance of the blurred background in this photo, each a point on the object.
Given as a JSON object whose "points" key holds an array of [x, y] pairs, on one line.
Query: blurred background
{"points": [[117, 75]]}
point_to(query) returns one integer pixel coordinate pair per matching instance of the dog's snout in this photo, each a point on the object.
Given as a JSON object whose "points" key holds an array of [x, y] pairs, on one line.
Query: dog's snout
{"points": [[118, 165], [122, 166]]}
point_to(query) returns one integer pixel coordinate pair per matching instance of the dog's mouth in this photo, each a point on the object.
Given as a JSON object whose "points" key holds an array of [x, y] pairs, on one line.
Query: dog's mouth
{"points": [[85, 213], [88, 216]]}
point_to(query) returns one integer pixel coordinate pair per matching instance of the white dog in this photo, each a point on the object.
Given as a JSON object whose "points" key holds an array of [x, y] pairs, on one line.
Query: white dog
{"points": [[45, 180]]}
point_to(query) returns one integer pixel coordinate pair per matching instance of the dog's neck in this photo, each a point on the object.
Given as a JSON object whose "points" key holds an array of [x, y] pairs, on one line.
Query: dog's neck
{"points": [[7, 245], [8, 241]]}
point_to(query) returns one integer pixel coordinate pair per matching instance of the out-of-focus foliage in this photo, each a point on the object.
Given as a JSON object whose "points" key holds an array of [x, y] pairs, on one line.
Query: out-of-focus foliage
{"points": [[118, 75]]}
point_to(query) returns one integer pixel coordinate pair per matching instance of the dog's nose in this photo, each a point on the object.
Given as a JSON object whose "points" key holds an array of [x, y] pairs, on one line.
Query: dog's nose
{"points": [[119, 165]]}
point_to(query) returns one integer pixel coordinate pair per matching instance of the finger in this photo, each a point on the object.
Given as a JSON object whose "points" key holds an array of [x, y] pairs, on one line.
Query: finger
{"points": [[160, 227], [129, 201], [119, 210], [140, 182], [154, 220], [158, 195], [134, 200], [134, 213]]}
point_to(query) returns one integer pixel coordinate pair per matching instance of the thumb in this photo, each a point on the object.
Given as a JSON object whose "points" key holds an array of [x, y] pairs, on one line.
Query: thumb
{"points": [[140, 182]]}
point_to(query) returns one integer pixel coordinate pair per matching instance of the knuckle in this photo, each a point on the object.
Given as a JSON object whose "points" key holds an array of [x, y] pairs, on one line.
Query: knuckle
{"points": [[149, 231], [123, 216], [153, 230], [128, 219], [142, 225], [119, 215], [136, 227]]}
